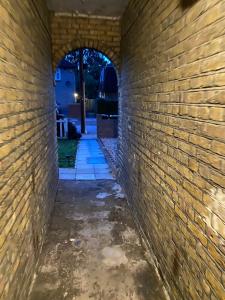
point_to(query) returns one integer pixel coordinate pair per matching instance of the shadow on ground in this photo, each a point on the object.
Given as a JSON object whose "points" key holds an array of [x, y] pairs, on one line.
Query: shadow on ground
{"points": [[92, 250]]}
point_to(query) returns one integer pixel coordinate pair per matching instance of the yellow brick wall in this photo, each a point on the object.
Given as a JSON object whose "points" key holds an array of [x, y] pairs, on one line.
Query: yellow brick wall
{"points": [[28, 173], [70, 32], [172, 138]]}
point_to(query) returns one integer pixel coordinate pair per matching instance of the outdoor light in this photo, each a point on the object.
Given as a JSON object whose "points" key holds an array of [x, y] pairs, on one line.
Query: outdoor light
{"points": [[75, 97]]}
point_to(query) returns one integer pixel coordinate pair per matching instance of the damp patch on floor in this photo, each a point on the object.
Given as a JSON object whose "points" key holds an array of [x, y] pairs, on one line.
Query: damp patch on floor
{"points": [[92, 249], [114, 256]]}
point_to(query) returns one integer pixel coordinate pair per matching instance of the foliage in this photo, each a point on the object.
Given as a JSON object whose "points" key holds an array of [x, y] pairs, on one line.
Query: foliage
{"points": [[94, 61], [91, 86], [107, 107], [66, 153]]}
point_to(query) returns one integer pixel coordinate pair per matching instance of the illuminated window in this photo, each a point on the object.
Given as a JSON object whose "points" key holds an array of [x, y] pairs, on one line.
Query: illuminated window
{"points": [[58, 75]]}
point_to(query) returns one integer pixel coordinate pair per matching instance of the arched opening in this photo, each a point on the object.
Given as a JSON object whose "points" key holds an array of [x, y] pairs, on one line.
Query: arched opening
{"points": [[86, 94], [79, 43]]}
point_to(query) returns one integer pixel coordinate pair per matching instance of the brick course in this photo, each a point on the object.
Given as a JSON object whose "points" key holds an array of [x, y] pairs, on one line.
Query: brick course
{"points": [[70, 32], [28, 170], [172, 138]]}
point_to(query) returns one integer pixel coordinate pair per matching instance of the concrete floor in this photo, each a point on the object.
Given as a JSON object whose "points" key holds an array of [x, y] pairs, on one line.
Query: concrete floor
{"points": [[92, 250]]}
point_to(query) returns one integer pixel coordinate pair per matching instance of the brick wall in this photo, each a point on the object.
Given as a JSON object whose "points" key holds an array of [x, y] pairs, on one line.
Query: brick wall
{"points": [[172, 138], [70, 32], [28, 173]]}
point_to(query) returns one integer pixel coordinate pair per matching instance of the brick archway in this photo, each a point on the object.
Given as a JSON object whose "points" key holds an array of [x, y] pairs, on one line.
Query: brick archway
{"points": [[71, 32], [85, 43]]}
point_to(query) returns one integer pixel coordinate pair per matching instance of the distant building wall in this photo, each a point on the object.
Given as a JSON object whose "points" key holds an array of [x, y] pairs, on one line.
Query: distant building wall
{"points": [[65, 89]]}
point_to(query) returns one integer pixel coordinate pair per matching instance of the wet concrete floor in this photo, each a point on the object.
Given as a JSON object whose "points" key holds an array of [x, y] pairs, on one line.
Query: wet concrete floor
{"points": [[92, 250]]}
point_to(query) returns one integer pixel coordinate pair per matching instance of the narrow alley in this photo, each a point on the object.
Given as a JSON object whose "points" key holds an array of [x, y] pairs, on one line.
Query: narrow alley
{"points": [[140, 213], [92, 249]]}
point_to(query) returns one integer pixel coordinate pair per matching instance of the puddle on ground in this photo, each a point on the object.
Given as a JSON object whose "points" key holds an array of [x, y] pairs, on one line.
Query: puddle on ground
{"points": [[103, 195]]}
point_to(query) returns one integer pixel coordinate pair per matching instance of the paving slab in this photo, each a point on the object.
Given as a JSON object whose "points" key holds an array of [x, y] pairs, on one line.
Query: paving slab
{"points": [[67, 176], [103, 176], [85, 176], [90, 157]]}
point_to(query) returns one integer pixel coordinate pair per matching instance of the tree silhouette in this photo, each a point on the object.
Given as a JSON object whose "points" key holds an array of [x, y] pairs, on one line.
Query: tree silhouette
{"points": [[94, 61]]}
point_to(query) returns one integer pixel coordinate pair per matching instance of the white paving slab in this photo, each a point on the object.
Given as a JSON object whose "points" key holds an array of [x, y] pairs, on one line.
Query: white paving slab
{"points": [[90, 161], [66, 171], [63, 176], [103, 176], [87, 148], [85, 177]]}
